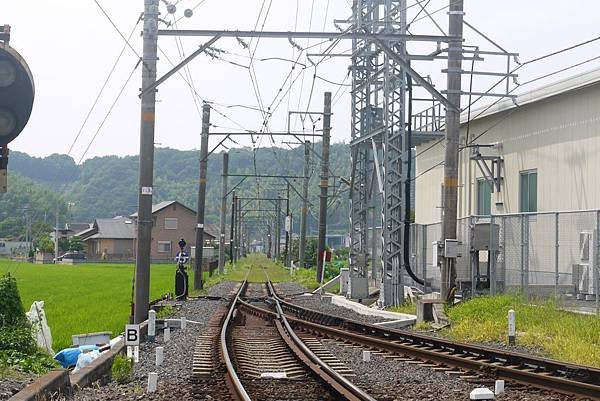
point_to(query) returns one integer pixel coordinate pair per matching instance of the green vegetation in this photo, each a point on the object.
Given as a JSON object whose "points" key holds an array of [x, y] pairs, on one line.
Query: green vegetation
{"points": [[84, 298], [164, 312], [76, 244], [122, 369], [18, 351], [89, 187], [254, 267], [409, 308], [559, 334]]}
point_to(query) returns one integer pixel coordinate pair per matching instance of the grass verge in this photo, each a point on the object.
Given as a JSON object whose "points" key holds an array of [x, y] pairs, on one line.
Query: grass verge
{"points": [[408, 308], [559, 334], [84, 298]]}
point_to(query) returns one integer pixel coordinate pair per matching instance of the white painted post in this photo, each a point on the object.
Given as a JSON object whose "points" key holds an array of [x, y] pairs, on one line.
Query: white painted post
{"points": [[499, 389], [183, 323], [512, 330], [151, 325], [366, 356], [167, 334], [152, 382], [160, 355]]}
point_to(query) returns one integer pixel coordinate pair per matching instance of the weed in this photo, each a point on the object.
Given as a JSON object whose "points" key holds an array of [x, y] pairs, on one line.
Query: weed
{"points": [[407, 307], [562, 335], [122, 369], [164, 312]]}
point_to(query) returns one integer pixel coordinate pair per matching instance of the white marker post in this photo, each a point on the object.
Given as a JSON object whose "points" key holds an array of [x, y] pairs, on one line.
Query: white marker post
{"points": [[160, 355], [152, 382], [167, 334], [183, 323], [366, 356], [132, 341], [499, 388], [151, 325], [512, 329]]}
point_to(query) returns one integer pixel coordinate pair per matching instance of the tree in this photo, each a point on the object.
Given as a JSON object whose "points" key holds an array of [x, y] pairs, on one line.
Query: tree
{"points": [[76, 244], [45, 244]]}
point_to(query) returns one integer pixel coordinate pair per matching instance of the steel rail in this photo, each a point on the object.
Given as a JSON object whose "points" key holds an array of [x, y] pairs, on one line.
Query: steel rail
{"points": [[540, 372], [336, 381], [233, 381]]}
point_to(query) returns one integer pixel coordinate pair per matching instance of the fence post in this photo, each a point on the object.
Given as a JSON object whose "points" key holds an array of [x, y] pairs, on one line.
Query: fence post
{"points": [[424, 258], [556, 250], [523, 254], [492, 254], [503, 252], [597, 263]]}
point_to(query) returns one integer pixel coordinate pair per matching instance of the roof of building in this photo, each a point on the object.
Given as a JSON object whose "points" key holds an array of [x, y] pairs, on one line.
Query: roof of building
{"points": [[77, 227], [214, 230], [116, 228], [160, 206], [560, 87]]}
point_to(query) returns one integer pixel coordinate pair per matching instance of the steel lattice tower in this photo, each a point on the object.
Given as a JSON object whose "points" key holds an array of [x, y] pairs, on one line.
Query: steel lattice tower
{"points": [[378, 130]]}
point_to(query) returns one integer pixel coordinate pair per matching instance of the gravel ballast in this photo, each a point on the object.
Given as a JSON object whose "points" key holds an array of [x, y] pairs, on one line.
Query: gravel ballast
{"points": [[389, 380], [174, 374], [10, 387]]}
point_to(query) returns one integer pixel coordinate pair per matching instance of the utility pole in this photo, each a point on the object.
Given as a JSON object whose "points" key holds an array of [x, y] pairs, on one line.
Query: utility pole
{"points": [[304, 211], [238, 220], [201, 197], [146, 169], [56, 222], [324, 184], [232, 230], [288, 229], [224, 180], [456, 13], [278, 229]]}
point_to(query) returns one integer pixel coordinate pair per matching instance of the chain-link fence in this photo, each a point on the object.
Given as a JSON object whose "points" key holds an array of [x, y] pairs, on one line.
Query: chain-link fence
{"points": [[540, 254]]}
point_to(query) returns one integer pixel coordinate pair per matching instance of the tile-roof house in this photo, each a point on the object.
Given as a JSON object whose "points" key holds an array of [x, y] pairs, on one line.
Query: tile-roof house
{"points": [[171, 221], [109, 239]]}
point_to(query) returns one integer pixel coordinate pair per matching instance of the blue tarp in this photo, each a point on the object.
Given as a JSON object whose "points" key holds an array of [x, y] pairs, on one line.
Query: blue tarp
{"points": [[68, 356]]}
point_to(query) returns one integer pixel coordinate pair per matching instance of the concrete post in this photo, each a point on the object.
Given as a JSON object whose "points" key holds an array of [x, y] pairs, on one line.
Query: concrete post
{"points": [[512, 331], [324, 184], [223, 220], [146, 169], [201, 198], [556, 251], [455, 55], [304, 211]]}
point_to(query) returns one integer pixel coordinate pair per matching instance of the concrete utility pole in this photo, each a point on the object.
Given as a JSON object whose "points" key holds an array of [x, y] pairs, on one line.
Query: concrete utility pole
{"points": [[278, 230], [201, 198], [324, 184], [304, 211], [288, 230], [232, 230], [224, 180], [148, 103], [456, 13], [56, 222], [238, 221]]}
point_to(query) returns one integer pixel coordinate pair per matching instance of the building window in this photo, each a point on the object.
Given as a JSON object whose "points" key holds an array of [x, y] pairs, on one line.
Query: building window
{"points": [[164, 246], [170, 224], [484, 198], [528, 191]]}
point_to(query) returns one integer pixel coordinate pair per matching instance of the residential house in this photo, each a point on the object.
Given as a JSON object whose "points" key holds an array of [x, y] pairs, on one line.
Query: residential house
{"points": [[109, 239], [171, 221]]}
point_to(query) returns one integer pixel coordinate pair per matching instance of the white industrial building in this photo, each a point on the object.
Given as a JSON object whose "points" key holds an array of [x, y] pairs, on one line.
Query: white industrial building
{"points": [[549, 146], [535, 177]]}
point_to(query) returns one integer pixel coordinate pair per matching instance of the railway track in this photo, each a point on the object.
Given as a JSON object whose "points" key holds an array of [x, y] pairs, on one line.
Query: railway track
{"points": [[441, 354], [248, 355]]}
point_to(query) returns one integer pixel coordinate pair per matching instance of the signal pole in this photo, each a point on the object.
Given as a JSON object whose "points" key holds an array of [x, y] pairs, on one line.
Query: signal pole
{"points": [[304, 211], [324, 184], [448, 279], [148, 103], [232, 230], [201, 198], [223, 213], [288, 229]]}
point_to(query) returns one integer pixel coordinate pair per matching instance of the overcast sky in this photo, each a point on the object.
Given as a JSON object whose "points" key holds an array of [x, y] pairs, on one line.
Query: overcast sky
{"points": [[71, 47]]}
